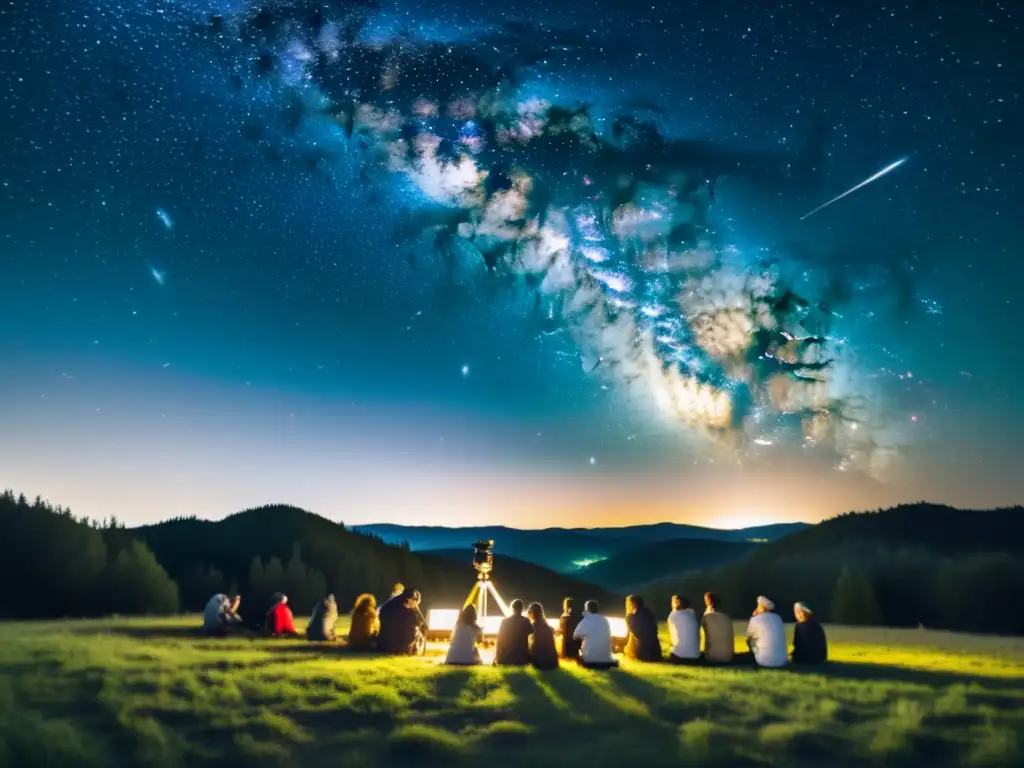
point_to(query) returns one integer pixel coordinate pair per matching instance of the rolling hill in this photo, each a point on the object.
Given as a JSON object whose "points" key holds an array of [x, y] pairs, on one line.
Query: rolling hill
{"points": [[630, 570], [565, 549], [916, 564], [347, 562]]}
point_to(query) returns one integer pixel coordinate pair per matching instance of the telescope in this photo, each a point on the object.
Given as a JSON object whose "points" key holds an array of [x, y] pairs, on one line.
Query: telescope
{"points": [[483, 559]]}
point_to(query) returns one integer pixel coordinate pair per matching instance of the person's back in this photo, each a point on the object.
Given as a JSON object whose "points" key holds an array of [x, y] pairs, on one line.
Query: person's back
{"points": [[684, 633], [595, 636], [280, 622], [719, 640], [462, 650], [321, 623], [214, 612], [543, 652], [642, 643], [767, 639], [364, 625], [809, 643], [567, 623], [397, 627], [513, 643]]}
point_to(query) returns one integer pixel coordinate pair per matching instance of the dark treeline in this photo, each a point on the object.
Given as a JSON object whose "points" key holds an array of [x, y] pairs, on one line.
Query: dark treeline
{"points": [[909, 566], [65, 566], [56, 565]]}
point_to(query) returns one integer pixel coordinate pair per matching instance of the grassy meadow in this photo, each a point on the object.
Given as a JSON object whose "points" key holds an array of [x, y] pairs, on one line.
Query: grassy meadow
{"points": [[151, 692]]}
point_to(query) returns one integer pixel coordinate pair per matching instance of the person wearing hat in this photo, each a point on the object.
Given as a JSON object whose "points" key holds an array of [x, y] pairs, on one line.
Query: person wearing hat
{"points": [[809, 643], [766, 637]]}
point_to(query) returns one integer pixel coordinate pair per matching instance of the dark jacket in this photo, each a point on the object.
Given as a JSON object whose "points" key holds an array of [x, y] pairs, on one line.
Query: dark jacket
{"points": [[809, 644], [542, 646], [642, 643], [399, 628], [513, 644], [321, 623], [567, 624]]}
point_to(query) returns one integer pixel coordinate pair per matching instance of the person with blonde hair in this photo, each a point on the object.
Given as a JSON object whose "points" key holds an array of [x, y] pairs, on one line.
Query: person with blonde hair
{"points": [[365, 626], [462, 650]]}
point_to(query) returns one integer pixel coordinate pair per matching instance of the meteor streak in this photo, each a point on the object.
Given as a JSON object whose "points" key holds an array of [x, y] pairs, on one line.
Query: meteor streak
{"points": [[851, 190]]}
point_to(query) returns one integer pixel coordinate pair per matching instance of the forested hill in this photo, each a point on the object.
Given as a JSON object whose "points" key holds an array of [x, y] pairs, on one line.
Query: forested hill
{"points": [[310, 555], [935, 527], [60, 565], [637, 567], [914, 564]]}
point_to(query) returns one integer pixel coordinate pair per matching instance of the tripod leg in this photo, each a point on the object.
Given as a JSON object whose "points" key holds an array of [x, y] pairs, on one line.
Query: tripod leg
{"points": [[472, 594]]}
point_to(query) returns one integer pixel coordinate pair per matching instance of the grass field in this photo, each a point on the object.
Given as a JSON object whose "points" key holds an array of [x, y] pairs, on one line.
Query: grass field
{"points": [[131, 692]]}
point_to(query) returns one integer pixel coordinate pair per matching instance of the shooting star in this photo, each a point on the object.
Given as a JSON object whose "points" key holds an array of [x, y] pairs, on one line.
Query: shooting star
{"points": [[851, 190], [165, 217]]}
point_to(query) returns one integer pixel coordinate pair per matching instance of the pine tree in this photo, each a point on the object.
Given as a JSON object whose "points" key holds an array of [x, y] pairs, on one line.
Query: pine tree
{"points": [[138, 584], [295, 579], [854, 600]]}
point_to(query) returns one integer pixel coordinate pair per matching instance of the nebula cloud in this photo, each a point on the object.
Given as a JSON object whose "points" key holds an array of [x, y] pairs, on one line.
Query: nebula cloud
{"points": [[612, 232]]}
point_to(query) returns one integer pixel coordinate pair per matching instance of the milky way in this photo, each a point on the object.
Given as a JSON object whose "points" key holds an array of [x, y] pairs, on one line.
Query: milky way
{"points": [[613, 232]]}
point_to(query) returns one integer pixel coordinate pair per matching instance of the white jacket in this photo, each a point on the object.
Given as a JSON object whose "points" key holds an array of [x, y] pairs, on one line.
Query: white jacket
{"points": [[684, 633], [596, 634], [767, 639], [217, 607]]}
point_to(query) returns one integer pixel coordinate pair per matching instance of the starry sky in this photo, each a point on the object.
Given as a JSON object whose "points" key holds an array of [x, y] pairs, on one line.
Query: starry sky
{"points": [[212, 296]]}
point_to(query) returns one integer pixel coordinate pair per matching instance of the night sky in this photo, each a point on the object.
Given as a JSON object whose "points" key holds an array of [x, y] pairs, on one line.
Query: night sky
{"points": [[211, 297]]}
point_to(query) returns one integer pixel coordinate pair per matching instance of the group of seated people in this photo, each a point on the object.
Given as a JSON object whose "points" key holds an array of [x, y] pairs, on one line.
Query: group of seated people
{"points": [[766, 636], [397, 627], [587, 639]]}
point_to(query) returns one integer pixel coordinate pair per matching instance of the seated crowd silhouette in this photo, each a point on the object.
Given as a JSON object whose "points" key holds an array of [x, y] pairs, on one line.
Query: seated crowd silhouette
{"points": [[397, 627]]}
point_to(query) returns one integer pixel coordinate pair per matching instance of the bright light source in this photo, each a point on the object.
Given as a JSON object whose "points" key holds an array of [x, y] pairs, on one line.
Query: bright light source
{"points": [[442, 620]]}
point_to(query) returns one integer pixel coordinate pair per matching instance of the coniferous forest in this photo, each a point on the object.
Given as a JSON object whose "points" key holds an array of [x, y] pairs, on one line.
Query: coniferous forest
{"points": [[66, 566], [860, 568]]}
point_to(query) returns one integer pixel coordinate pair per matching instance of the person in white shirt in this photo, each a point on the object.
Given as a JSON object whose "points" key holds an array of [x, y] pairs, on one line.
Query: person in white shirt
{"points": [[595, 633], [221, 615], [683, 632], [766, 636]]}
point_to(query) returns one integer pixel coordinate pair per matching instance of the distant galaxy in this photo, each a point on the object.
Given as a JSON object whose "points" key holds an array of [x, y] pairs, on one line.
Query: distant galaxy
{"points": [[398, 262]]}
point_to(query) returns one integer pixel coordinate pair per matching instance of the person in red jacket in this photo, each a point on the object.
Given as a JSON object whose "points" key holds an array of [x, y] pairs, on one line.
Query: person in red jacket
{"points": [[280, 622]]}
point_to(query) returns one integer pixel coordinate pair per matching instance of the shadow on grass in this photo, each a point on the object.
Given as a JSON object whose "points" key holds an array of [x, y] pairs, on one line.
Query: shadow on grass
{"points": [[867, 672]]}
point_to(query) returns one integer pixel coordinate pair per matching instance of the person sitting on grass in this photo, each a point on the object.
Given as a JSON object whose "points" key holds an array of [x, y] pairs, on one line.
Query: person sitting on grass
{"points": [[512, 648], [364, 626], [595, 635], [396, 594], [569, 647], [766, 637], [684, 632], [401, 627], [809, 643], [462, 650], [280, 622], [321, 623], [718, 635], [221, 615], [542, 642], [642, 644]]}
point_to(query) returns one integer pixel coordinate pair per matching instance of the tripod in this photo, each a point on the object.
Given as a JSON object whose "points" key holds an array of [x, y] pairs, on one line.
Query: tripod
{"points": [[482, 589]]}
